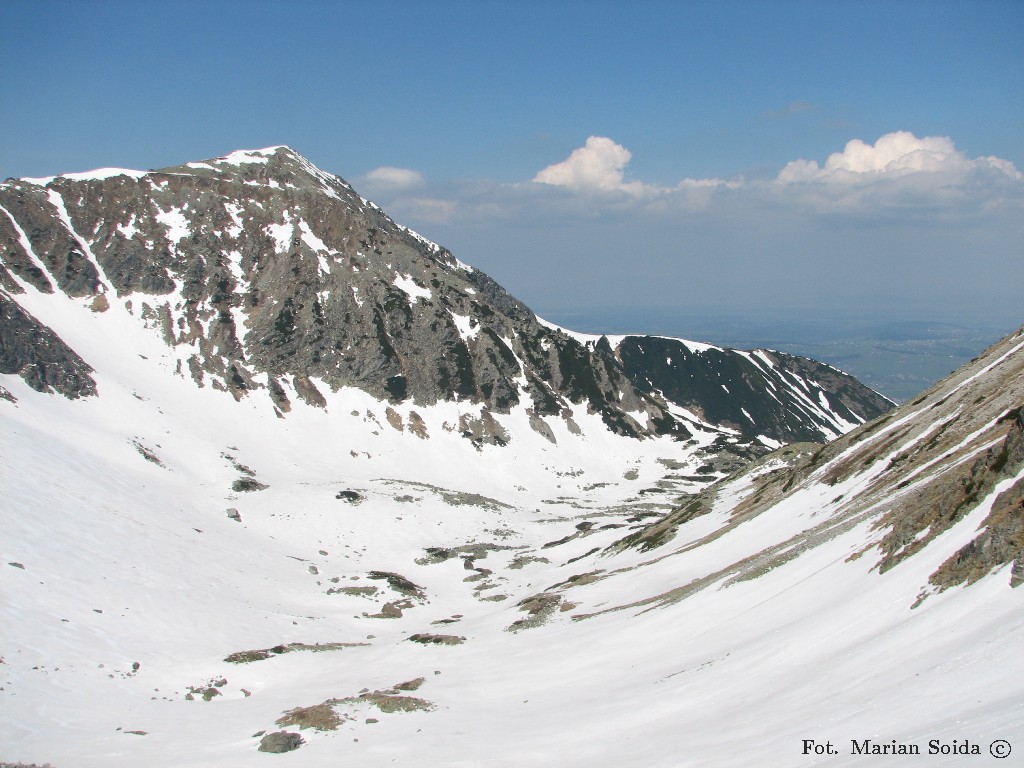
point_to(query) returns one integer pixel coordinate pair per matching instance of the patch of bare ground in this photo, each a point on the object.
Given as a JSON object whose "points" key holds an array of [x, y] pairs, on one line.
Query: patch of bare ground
{"points": [[454, 498], [411, 685], [539, 608], [426, 638], [435, 555], [1001, 542], [391, 610], [398, 583], [389, 703], [579, 580], [521, 561], [259, 654], [248, 485], [319, 717], [353, 591], [331, 714], [148, 454]]}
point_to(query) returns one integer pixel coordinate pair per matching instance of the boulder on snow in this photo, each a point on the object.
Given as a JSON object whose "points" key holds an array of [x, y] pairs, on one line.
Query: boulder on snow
{"points": [[281, 741]]}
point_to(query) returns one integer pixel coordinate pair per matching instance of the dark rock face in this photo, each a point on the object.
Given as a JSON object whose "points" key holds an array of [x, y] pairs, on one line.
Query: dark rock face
{"points": [[770, 393], [30, 214], [264, 272], [1002, 540], [34, 352]]}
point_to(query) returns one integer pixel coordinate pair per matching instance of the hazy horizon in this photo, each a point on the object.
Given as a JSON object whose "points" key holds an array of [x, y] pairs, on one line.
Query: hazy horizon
{"points": [[898, 357]]}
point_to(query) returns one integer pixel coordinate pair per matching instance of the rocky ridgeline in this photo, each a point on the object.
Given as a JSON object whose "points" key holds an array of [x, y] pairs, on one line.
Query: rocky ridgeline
{"points": [[919, 471], [784, 397], [265, 273]]}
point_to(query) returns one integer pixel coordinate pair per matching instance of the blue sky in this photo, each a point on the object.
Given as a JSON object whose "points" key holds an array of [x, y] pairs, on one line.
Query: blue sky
{"points": [[606, 156]]}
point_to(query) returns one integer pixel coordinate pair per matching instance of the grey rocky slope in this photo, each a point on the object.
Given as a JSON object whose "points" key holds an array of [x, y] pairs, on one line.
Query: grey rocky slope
{"points": [[33, 351], [266, 274], [952, 457]]}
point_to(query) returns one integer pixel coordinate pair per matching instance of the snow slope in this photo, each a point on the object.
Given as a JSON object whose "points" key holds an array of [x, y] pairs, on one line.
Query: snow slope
{"points": [[698, 651]]}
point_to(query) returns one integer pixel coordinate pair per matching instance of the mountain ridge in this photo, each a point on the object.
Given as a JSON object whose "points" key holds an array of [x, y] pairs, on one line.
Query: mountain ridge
{"points": [[920, 470], [280, 277]]}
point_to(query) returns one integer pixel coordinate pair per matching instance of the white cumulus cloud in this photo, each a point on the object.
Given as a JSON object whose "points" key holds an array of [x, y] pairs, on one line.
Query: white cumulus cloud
{"points": [[393, 179], [598, 166], [896, 154], [897, 177], [900, 174]]}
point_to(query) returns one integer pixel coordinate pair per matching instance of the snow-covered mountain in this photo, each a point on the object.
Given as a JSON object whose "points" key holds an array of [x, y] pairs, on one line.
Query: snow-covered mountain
{"points": [[228, 527], [263, 274]]}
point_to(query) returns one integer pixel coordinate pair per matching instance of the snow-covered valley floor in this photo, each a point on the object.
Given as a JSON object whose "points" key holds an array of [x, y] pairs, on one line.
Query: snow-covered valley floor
{"points": [[183, 574]]}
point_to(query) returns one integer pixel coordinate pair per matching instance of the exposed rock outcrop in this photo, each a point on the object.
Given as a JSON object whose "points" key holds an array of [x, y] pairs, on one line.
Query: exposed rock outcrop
{"points": [[33, 351]]}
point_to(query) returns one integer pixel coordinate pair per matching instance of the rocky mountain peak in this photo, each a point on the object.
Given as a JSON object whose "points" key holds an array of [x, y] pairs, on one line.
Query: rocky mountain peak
{"points": [[264, 273]]}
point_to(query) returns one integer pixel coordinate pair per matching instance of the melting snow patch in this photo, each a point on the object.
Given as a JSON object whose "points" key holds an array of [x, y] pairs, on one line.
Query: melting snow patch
{"points": [[235, 212], [310, 239], [763, 356], [615, 340], [408, 285], [242, 156], [508, 343], [62, 212], [176, 223], [281, 233], [98, 175], [129, 229], [317, 245], [583, 338], [842, 423], [234, 260], [326, 180], [464, 325], [25, 244]]}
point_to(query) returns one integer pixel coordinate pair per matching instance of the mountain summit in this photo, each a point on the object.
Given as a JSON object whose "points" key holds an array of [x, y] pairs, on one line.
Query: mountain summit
{"points": [[263, 273]]}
